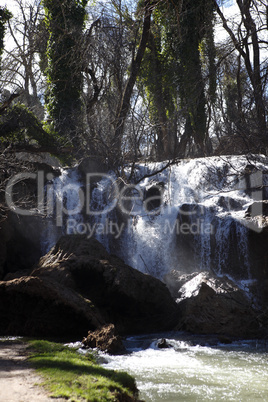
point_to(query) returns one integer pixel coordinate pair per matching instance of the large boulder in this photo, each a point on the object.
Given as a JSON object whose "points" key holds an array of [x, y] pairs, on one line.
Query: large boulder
{"points": [[257, 221], [38, 307], [212, 305], [223, 243], [133, 301]]}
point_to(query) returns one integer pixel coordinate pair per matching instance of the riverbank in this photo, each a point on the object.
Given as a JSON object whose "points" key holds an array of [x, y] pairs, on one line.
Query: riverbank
{"points": [[18, 380], [47, 371]]}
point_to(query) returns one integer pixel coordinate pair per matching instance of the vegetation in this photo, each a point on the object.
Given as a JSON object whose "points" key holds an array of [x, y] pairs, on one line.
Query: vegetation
{"points": [[65, 22], [77, 377], [20, 125], [126, 80], [5, 16]]}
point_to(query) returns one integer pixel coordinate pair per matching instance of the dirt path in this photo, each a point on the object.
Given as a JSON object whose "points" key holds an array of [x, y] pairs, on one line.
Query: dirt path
{"points": [[18, 381]]}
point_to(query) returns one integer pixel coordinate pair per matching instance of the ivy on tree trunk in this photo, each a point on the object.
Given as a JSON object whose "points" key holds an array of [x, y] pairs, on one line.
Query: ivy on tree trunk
{"points": [[65, 23]]}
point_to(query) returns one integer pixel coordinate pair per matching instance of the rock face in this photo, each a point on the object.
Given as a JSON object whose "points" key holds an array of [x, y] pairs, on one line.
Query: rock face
{"points": [[257, 217], [38, 307], [133, 301], [21, 234], [20, 242], [235, 247], [105, 339], [211, 305]]}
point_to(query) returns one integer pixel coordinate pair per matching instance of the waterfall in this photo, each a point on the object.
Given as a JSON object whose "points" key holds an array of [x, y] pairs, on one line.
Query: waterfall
{"points": [[189, 216], [102, 206], [63, 205]]}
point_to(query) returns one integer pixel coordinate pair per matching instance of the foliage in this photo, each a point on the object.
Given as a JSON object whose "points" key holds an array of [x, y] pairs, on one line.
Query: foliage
{"points": [[5, 16], [119, 84], [180, 54], [65, 22], [68, 374], [157, 84], [18, 125]]}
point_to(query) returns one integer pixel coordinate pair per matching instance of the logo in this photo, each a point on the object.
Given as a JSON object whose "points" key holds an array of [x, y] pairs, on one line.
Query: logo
{"points": [[67, 201]]}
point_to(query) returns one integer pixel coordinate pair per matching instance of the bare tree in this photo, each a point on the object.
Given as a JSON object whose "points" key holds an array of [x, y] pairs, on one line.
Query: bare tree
{"points": [[115, 42], [21, 71], [246, 32]]}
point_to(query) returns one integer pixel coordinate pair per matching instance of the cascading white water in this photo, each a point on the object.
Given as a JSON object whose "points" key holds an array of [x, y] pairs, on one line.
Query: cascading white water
{"points": [[208, 195], [63, 202], [218, 187], [102, 199], [194, 369]]}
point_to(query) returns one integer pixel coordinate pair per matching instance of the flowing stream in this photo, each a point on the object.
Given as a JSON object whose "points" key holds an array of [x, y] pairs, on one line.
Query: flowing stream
{"points": [[195, 368]]}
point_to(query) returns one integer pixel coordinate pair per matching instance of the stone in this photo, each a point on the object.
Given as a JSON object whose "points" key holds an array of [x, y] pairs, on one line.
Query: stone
{"points": [[212, 305], [105, 339], [21, 235], [153, 196], [237, 247], [33, 306], [20, 242], [134, 302], [92, 165], [176, 279], [162, 344]]}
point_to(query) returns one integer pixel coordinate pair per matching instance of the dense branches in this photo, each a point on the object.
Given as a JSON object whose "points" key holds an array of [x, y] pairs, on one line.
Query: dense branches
{"points": [[121, 80], [124, 105]]}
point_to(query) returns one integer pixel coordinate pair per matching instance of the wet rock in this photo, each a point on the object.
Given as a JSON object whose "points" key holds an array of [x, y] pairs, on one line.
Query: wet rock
{"points": [[153, 196], [105, 339], [257, 208], [236, 247], [228, 203], [176, 279], [224, 339], [92, 165], [162, 344]]}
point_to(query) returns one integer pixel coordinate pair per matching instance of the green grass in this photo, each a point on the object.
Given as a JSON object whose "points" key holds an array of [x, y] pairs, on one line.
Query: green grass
{"points": [[68, 374]]}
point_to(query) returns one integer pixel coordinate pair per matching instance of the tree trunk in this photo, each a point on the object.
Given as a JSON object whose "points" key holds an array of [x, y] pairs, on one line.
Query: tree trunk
{"points": [[253, 71], [124, 106]]}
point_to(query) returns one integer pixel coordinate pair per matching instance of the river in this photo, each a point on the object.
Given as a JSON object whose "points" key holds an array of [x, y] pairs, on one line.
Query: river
{"points": [[195, 368]]}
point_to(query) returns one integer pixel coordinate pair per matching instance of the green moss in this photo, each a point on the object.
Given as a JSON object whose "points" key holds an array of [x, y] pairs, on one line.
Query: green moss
{"points": [[68, 374], [18, 124]]}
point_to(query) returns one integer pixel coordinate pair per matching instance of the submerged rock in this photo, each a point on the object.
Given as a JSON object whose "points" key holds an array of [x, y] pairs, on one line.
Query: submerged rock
{"points": [[105, 339], [162, 344]]}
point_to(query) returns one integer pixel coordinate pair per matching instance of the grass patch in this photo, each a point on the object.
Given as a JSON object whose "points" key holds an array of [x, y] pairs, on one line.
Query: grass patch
{"points": [[67, 374]]}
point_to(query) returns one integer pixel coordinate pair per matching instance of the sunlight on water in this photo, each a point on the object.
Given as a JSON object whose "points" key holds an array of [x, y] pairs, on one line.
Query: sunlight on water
{"points": [[183, 372]]}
